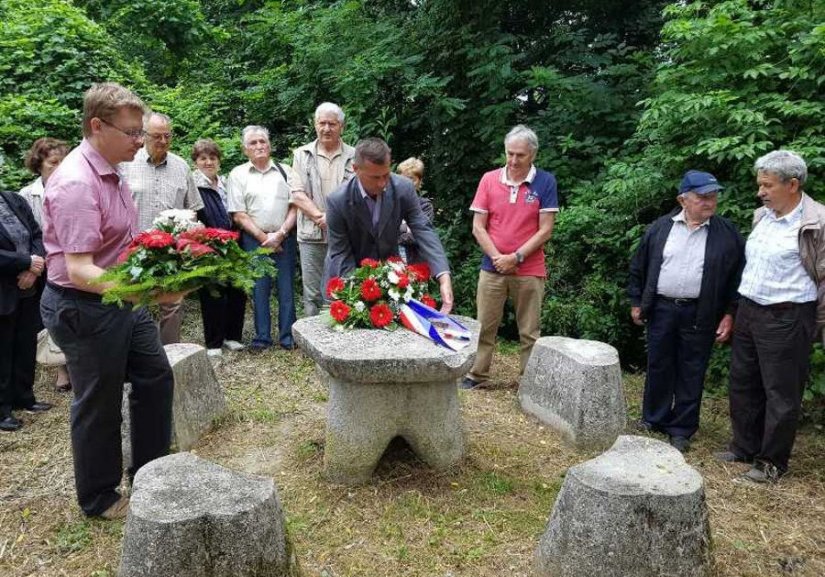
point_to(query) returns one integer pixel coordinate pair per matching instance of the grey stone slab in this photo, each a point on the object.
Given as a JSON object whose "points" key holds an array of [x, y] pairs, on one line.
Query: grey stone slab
{"points": [[383, 385], [192, 518], [198, 399], [575, 387], [638, 510]]}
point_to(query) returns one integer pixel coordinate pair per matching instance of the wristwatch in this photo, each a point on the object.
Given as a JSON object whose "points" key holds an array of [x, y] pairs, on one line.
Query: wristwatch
{"points": [[519, 257]]}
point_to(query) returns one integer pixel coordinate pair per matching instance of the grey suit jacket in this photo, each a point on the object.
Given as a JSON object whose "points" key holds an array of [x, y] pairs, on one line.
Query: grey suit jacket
{"points": [[352, 236]]}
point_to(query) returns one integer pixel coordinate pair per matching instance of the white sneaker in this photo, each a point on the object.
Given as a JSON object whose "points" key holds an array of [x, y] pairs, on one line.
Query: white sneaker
{"points": [[233, 345], [214, 352]]}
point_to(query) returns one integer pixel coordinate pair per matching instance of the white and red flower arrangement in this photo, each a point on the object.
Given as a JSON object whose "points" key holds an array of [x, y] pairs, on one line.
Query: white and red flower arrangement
{"points": [[372, 296], [179, 255]]}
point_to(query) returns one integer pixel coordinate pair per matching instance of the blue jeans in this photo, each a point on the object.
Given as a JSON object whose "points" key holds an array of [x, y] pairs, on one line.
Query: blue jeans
{"points": [[285, 262]]}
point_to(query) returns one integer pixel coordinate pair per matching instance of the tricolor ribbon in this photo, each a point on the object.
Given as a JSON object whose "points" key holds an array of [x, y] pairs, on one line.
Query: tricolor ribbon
{"points": [[438, 327]]}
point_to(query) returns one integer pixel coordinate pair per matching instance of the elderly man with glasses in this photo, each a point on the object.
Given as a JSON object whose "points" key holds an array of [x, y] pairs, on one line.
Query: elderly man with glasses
{"points": [[161, 180]]}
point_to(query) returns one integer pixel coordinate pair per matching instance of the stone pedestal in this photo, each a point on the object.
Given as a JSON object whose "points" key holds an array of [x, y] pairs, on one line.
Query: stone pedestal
{"points": [[638, 510], [575, 387], [198, 399], [191, 518], [383, 385]]}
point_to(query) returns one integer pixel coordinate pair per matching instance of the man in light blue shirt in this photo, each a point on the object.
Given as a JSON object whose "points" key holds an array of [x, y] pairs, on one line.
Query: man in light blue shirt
{"points": [[778, 318]]}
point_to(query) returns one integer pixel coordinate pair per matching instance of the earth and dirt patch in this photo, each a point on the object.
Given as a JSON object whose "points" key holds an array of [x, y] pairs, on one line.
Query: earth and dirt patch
{"points": [[481, 519]]}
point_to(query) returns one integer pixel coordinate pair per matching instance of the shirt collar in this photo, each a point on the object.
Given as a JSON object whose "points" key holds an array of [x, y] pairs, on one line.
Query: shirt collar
{"points": [[681, 218], [143, 155], [269, 166], [505, 179], [96, 160], [791, 218], [319, 150]]}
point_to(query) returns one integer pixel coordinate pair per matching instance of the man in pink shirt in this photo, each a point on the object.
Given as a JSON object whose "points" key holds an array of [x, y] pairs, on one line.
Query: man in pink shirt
{"points": [[514, 210], [89, 219]]}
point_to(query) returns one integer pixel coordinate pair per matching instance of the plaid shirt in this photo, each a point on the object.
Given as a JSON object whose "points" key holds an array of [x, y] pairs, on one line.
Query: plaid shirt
{"points": [[158, 188]]}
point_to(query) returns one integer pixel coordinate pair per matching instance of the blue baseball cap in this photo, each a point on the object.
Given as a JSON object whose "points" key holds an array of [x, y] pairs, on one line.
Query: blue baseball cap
{"points": [[699, 182]]}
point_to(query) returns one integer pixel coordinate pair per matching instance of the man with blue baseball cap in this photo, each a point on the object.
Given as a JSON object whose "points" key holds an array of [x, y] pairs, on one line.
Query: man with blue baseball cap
{"points": [[682, 287]]}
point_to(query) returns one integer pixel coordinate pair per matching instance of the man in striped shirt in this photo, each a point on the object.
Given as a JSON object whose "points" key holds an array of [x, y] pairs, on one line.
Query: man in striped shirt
{"points": [[781, 312]]}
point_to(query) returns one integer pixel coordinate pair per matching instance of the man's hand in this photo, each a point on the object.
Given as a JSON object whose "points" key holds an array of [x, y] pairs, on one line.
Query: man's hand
{"points": [[274, 240], [321, 220], [505, 263], [445, 287], [724, 329], [636, 315], [26, 279], [38, 264]]}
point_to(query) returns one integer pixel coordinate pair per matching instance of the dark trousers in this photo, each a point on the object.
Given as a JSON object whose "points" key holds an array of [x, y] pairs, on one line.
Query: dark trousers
{"points": [[768, 370], [677, 358], [18, 344], [223, 315], [106, 346], [286, 264]]}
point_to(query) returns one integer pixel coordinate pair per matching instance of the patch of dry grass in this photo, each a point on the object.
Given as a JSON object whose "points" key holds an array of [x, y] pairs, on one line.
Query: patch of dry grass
{"points": [[482, 518]]}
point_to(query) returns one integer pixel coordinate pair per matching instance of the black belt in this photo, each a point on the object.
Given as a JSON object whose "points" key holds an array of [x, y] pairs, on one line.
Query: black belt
{"points": [[74, 293], [678, 302], [784, 306]]}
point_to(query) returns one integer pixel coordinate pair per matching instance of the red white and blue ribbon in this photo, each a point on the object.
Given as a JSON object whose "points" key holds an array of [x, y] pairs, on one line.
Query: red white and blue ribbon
{"points": [[438, 327]]}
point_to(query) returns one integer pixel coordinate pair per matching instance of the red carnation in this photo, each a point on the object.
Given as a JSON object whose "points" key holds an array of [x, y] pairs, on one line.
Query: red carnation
{"points": [[155, 239], [395, 258], [429, 301], [334, 285], [220, 234], [370, 262], [370, 290], [380, 315], [193, 247], [130, 250], [339, 311], [403, 281], [420, 271]]}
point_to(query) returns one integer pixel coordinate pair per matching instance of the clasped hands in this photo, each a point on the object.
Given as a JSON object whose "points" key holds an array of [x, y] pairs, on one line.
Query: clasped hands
{"points": [[505, 263], [274, 240], [27, 278]]}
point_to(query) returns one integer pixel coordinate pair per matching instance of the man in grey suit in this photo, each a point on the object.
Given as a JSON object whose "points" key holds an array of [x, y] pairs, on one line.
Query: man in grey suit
{"points": [[364, 214]]}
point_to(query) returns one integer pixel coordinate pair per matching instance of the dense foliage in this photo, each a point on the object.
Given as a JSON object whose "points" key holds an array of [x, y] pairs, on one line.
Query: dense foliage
{"points": [[625, 96]]}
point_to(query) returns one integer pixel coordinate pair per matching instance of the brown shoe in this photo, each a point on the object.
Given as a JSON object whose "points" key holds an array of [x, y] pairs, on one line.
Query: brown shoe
{"points": [[118, 510]]}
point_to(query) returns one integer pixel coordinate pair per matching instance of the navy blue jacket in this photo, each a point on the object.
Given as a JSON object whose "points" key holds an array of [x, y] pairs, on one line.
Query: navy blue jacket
{"points": [[11, 262], [724, 261]]}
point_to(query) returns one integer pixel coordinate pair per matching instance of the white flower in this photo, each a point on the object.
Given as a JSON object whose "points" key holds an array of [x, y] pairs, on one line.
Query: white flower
{"points": [[394, 294], [176, 221], [392, 277], [408, 294], [396, 266], [360, 306]]}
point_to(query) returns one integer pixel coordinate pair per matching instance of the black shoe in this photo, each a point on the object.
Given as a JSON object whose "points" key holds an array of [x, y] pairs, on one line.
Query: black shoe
{"points": [[682, 444], [38, 407], [9, 423], [258, 349], [645, 427], [291, 347], [64, 388], [468, 384], [731, 457]]}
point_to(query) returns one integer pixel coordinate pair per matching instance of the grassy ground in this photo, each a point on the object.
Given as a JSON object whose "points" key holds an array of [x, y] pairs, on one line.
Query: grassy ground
{"points": [[481, 519]]}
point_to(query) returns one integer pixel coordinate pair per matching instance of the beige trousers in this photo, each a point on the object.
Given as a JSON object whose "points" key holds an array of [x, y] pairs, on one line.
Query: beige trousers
{"points": [[526, 293]]}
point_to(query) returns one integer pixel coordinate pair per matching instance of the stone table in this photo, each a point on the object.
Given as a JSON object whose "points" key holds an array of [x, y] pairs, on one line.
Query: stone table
{"points": [[382, 385]]}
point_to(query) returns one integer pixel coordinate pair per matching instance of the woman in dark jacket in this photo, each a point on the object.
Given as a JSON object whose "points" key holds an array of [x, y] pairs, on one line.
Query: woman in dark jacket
{"points": [[21, 263], [223, 312]]}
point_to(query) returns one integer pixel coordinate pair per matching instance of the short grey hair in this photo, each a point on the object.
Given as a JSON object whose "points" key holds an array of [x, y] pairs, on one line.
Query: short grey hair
{"points": [[252, 129], [785, 164], [373, 150], [522, 132], [330, 107], [147, 118]]}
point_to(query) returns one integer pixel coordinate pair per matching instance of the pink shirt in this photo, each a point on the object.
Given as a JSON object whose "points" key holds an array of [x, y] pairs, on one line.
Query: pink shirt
{"points": [[513, 214], [87, 209]]}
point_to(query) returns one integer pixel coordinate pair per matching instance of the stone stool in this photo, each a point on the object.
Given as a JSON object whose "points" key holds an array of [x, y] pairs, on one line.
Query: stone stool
{"points": [[197, 402], [575, 387], [191, 518], [382, 385], [637, 510]]}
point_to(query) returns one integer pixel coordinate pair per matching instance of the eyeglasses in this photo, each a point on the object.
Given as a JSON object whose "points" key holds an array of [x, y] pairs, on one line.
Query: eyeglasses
{"points": [[159, 135], [135, 134]]}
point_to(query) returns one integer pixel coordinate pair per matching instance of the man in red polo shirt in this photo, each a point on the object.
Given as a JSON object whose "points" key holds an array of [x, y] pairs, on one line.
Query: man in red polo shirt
{"points": [[514, 210]]}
